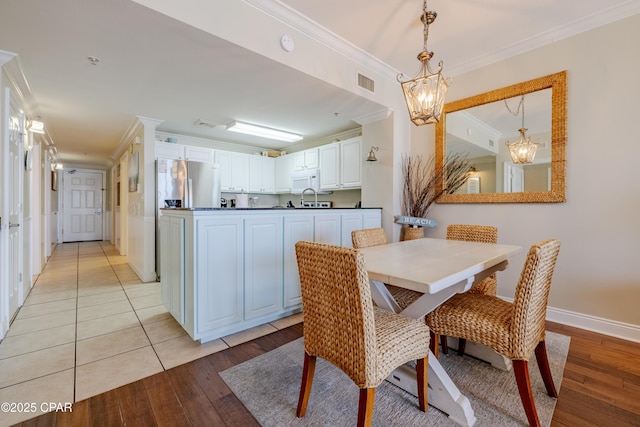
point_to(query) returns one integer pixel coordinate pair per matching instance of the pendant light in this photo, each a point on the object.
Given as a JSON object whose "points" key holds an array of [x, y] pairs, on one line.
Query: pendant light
{"points": [[426, 92], [524, 150]]}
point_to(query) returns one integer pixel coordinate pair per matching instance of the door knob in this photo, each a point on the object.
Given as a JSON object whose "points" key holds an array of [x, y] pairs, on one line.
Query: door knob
{"points": [[11, 225]]}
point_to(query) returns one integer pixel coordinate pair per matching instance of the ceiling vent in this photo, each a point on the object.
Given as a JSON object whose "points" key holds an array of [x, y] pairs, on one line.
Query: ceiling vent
{"points": [[366, 83], [204, 123]]}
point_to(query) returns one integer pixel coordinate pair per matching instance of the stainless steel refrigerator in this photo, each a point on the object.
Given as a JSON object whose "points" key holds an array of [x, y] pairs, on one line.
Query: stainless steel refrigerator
{"points": [[184, 184]]}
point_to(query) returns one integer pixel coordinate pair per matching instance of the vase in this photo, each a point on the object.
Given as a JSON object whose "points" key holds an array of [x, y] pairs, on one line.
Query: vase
{"points": [[412, 233]]}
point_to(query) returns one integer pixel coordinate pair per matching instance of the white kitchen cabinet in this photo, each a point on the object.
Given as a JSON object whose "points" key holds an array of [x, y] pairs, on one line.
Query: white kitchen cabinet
{"points": [[351, 163], [330, 166], [296, 228], [224, 271], [218, 274], [172, 256], [341, 165], [263, 283], [234, 171], [327, 228], [350, 222], [283, 174], [167, 150], [371, 219], [261, 174], [307, 159], [198, 154]]}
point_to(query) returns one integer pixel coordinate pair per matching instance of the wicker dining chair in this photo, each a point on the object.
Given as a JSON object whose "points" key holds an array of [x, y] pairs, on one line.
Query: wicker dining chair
{"points": [[342, 326], [489, 286], [515, 330], [375, 237]]}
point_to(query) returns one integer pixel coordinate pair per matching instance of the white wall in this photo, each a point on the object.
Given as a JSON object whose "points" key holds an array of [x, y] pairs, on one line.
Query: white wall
{"points": [[597, 282]]}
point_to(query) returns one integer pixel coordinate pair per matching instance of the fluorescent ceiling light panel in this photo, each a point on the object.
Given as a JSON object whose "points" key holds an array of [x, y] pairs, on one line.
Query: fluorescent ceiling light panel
{"points": [[263, 132]]}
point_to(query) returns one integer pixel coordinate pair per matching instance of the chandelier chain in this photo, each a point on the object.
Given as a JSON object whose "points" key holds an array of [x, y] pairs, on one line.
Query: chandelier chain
{"points": [[520, 105], [425, 31]]}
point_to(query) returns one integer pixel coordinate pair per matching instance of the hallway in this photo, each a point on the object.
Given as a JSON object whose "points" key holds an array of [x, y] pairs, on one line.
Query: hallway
{"points": [[89, 325]]}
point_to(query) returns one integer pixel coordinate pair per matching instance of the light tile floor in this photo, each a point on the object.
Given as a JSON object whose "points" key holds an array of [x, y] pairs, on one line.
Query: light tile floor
{"points": [[88, 326]]}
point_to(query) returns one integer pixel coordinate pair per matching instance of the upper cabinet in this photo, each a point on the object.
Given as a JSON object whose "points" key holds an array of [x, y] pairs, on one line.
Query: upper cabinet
{"points": [[351, 163], [341, 165], [234, 171], [283, 174], [262, 174], [307, 159], [168, 150]]}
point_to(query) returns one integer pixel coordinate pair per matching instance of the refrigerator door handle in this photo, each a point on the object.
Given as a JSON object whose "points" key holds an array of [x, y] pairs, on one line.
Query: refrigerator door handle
{"points": [[189, 193]]}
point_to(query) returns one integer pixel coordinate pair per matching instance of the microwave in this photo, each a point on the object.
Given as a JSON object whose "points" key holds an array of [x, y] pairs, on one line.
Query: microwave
{"points": [[309, 178]]}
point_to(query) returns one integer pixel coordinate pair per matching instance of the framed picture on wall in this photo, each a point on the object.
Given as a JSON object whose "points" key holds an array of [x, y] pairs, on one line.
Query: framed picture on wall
{"points": [[473, 185], [133, 172]]}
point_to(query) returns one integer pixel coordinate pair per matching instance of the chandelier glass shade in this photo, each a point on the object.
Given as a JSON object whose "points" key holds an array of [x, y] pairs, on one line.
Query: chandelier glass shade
{"points": [[524, 150], [425, 93]]}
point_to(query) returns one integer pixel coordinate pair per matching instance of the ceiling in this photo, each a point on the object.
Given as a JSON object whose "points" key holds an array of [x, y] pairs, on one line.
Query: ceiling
{"points": [[154, 66]]}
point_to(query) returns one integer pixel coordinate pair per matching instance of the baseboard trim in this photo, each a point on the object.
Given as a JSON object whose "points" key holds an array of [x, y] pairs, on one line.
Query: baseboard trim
{"points": [[609, 327], [625, 331]]}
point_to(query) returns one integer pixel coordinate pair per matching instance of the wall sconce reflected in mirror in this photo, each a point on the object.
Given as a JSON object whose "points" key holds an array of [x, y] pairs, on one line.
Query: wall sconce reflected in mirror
{"points": [[36, 126], [372, 155]]}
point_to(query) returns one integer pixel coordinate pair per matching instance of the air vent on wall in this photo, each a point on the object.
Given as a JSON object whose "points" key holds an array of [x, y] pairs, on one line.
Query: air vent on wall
{"points": [[366, 83], [204, 123]]}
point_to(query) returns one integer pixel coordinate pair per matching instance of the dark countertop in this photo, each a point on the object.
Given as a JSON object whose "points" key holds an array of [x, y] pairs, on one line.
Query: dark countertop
{"points": [[263, 209]]}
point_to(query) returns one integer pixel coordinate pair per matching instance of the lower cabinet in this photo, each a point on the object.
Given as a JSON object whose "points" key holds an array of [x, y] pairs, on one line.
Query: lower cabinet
{"points": [[263, 266], [219, 274], [296, 228], [224, 272], [172, 255]]}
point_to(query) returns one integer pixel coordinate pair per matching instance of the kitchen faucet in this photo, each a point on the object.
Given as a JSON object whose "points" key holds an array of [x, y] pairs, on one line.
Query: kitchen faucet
{"points": [[302, 197]]}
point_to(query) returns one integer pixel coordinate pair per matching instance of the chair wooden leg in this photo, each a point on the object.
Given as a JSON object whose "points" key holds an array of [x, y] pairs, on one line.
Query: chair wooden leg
{"points": [[365, 406], [308, 369], [545, 371], [444, 343], [521, 371], [422, 374], [433, 344], [462, 343]]}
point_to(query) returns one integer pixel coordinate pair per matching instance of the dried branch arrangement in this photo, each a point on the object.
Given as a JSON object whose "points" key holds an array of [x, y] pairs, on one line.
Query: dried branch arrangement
{"points": [[421, 180]]}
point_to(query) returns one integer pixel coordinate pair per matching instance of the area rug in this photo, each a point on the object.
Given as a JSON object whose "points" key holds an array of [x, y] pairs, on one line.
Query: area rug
{"points": [[268, 386]]}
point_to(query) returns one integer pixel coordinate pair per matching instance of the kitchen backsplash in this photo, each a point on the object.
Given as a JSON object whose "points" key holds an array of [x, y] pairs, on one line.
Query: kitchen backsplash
{"points": [[340, 199]]}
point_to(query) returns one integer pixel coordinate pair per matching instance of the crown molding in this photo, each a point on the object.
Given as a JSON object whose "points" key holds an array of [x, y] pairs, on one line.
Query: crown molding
{"points": [[309, 27], [615, 13], [6, 56], [372, 117]]}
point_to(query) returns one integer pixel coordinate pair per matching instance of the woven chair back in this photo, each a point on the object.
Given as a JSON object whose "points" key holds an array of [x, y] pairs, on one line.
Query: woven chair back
{"points": [[339, 323], [530, 300], [473, 233], [368, 237], [477, 233]]}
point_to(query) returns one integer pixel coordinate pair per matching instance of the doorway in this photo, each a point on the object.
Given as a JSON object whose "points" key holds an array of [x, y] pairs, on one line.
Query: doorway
{"points": [[82, 205]]}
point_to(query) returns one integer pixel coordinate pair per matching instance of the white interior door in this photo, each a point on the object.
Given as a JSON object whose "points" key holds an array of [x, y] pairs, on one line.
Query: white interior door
{"points": [[16, 165], [82, 220], [513, 178]]}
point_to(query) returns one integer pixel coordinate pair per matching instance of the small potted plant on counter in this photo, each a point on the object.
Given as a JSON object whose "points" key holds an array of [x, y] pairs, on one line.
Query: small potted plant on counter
{"points": [[421, 188]]}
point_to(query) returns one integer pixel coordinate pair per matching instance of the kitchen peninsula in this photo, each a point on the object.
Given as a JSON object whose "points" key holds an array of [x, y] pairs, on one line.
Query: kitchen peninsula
{"points": [[227, 270]]}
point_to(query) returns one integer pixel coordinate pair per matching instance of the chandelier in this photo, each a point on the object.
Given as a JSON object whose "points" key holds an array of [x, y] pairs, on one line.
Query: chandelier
{"points": [[425, 93], [522, 151]]}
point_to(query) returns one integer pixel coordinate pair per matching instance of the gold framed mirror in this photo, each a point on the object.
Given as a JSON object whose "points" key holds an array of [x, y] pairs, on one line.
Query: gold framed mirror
{"points": [[483, 124]]}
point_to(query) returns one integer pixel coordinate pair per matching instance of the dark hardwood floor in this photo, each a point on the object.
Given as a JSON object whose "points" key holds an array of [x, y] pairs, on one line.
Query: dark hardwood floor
{"points": [[601, 387]]}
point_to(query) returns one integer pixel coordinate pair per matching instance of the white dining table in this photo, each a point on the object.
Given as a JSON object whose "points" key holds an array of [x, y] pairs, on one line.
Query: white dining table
{"points": [[438, 269]]}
